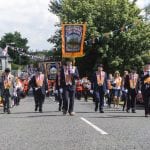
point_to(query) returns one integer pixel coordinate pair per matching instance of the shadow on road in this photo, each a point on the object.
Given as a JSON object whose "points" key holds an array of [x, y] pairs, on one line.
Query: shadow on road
{"points": [[118, 117], [32, 112]]}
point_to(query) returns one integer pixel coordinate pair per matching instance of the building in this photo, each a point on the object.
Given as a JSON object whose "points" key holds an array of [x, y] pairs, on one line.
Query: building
{"points": [[5, 61]]}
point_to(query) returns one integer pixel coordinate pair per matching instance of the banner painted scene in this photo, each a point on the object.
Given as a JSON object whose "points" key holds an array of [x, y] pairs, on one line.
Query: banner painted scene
{"points": [[73, 40]]}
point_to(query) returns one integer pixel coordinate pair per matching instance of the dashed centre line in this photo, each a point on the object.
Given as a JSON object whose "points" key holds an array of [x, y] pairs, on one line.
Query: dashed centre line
{"points": [[94, 126]]}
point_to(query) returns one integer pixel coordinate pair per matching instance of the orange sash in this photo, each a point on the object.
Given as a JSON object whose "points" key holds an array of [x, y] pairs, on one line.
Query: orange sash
{"points": [[7, 82], [147, 80], [133, 81], [100, 78], [68, 76], [39, 80]]}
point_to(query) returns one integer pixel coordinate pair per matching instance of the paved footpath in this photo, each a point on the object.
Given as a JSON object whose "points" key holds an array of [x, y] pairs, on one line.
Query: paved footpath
{"points": [[114, 130]]}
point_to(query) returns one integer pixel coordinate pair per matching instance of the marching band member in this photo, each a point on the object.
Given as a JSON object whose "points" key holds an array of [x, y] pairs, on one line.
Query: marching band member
{"points": [[117, 89], [99, 87], [145, 88], [68, 75]]}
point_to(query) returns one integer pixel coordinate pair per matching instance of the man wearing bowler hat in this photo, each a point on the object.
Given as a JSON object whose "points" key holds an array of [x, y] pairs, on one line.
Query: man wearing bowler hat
{"points": [[99, 83], [68, 75], [133, 89]]}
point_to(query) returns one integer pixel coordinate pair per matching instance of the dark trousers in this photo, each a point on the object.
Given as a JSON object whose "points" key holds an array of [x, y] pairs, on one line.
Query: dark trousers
{"points": [[85, 94], [131, 103], [99, 98], [69, 95], [60, 99], [124, 98], [146, 97], [78, 94], [6, 101], [39, 99], [17, 98], [110, 96]]}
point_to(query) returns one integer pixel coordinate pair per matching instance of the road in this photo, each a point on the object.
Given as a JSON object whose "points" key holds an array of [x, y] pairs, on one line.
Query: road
{"points": [[24, 129]]}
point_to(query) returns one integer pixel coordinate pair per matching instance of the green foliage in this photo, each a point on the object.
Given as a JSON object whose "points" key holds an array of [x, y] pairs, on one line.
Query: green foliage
{"points": [[119, 51], [16, 66]]}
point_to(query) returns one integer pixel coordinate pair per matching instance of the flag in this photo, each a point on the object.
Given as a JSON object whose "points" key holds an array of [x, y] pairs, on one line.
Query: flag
{"points": [[73, 36], [5, 50]]}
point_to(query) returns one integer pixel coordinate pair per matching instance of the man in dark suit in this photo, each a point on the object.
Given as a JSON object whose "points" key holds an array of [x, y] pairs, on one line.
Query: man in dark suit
{"points": [[68, 75], [145, 88], [132, 84], [99, 83], [7, 89], [58, 88], [40, 87]]}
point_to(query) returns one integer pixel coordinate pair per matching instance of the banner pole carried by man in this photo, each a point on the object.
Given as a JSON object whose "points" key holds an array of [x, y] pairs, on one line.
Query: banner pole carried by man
{"points": [[72, 46]]}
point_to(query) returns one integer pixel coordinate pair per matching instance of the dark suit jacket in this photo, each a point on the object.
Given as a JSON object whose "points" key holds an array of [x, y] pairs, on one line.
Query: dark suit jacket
{"points": [[127, 83], [43, 89], [95, 86], [75, 76], [144, 86]]}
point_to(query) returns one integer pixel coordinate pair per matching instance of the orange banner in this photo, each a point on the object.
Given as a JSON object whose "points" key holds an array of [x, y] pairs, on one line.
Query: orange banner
{"points": [[73, 36]]}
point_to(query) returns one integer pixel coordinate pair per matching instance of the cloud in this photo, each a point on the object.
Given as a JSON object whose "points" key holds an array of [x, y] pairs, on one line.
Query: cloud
{"points": [[142, 3], [32, 19], [29, 17]]}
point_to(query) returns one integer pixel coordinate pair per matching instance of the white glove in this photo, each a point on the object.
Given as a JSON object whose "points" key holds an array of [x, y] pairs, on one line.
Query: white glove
{"points": [[46, 91], [61, 90], [107, 91], [126, 90], [56, 91], [139, 92], [91, 91], [36, 89]]}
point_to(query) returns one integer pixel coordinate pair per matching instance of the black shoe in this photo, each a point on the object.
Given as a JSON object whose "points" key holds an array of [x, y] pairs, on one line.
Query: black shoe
{"points": [[59, 109], [128, 111], [133, 111], [146, 115], [101, 111], [8, 112], [96, 108], [35, 108], [40, 111], [64, 113]]}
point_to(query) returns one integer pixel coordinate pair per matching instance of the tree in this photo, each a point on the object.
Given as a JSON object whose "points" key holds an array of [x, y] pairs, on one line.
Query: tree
{"points": [[118, 51], [20, 43]]}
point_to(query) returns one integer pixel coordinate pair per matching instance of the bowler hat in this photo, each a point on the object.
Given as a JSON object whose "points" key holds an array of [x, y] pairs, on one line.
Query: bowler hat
{"points": [[100, 65], [7, 70]]}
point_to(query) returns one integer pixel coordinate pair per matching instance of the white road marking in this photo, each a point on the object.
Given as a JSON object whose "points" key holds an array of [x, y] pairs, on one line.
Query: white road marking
{"points": [[94, 126]]}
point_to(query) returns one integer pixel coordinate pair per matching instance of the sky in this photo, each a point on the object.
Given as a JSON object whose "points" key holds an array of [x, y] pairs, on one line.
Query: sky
{"points": [[33, 20]]}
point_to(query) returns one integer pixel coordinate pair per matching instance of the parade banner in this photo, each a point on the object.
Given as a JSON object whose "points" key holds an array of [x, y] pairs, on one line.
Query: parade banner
{"points": [[73, 36], [51, 68]]}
